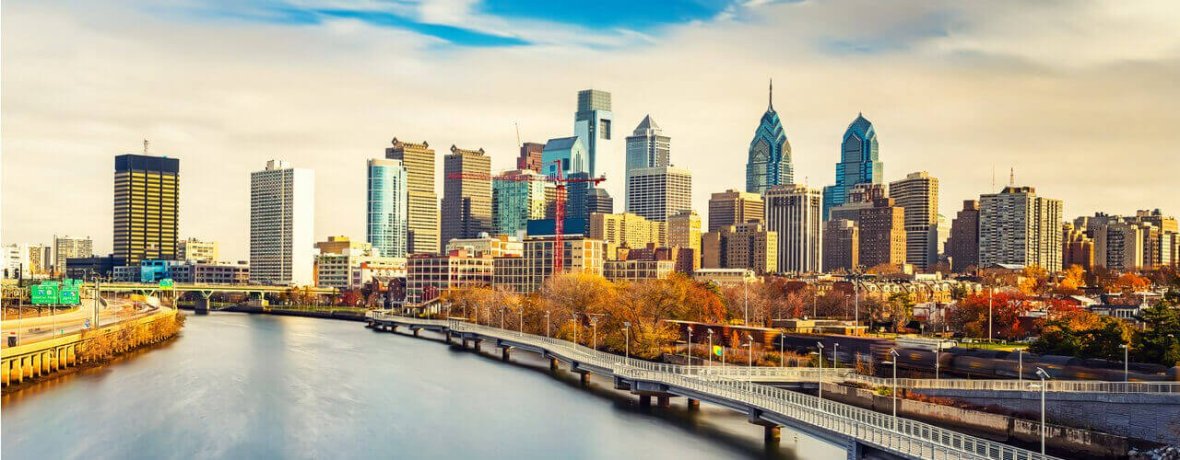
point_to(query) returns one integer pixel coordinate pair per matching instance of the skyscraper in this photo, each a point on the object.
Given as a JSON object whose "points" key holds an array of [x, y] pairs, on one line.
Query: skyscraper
{"points": [[584, 199], [1018, 227], [660, 192], [388, 206], [859, 163], [467, 194], [684, 230], [530, 156], [282, 225], [422, 214], [841, 245], [882, 234], [963, 246], [793, 211], [147, 203], [517, 197], [918, 195], [769, 160], [733, 207], [567, 154], [647, 147], [749, 245], [65, 247], [592, 124]]}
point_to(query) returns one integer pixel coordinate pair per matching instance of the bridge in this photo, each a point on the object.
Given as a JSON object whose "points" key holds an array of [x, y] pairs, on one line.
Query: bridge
{"points": [[206, 290], [862, 432]]}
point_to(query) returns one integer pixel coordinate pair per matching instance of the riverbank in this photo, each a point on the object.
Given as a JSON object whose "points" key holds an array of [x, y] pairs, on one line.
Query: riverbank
{"points": [[38, 361]]}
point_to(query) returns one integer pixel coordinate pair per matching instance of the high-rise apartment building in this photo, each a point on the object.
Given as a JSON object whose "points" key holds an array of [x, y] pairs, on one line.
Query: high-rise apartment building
{"points": [[794, 213], [660, 192], [684, 231], [147, 204], [592, 124], [530, 156], [749, 245], [388, 207], [282, 225], [733, 207], [963, 246], [859, 163], [66, 247], [1077, 247], [467, 194], [647, 147], [841, 243], [194, 250], [517, 197], [626, 230], [1018, 227], [422, 214], [918, 195], [882, 234], [769, 159]]}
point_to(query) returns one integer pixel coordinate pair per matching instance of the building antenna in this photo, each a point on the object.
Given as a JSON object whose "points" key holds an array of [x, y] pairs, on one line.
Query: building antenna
{"points": [[517, 125], [993, 177], [1012, 176], [145, 146]]}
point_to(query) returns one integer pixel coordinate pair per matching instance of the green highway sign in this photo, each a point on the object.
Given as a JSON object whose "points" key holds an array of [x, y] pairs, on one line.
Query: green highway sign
{"points": [[166, 284]]}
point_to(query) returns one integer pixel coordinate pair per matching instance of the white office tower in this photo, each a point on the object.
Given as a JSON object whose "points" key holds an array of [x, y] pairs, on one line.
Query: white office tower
{"points": [[282, 225]]}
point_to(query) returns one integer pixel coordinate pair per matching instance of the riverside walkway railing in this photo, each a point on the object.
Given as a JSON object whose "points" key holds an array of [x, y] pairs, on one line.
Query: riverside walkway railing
{"points": [[1076, 386], [898, 435]]}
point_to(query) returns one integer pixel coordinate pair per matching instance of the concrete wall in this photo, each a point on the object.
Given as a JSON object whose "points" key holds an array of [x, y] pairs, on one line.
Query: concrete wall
{"points": [[986, 425], [1153, 417]]}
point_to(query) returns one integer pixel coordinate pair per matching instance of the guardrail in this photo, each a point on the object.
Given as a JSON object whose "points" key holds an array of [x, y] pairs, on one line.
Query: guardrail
{"points": [[1077, 386], [899, 435]]}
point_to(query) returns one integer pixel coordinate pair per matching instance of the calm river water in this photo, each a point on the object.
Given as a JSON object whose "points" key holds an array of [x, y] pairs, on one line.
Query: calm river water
{"points": [[257, 387]]}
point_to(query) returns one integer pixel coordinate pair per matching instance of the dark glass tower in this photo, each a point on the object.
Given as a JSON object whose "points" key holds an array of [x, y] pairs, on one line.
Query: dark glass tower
{"points": [[769, 160], [859, 163]]}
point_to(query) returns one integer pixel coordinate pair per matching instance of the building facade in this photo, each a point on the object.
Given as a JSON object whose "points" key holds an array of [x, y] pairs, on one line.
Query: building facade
{"points": [[147, 206], [626, 230], [517, 197], [491, 246], [963, 245], [467, 194], [794, 212], [422, 211], [637, 270], [882, 234], [859, 163], [733, 207], [749, 246], [564, 156], [660, 192], [66, 247], [769, 160], [194, 250], [388, 207], [841, 245], [684, 231], [527, 273], [1020, 228], [918, 195], [429, 276], [647, 147], [592, 124], [1077, 248], [282, 225], [530, 157]]}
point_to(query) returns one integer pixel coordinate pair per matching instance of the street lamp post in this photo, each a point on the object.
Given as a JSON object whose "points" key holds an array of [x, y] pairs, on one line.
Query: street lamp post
{"points": [[1126, 361], [627, 338], [750, 344], [502, 311], [746, 302], [835, 358], [577, 328], [546, 323], [1020, 365], [990, 291], [594, 330], [819, 379], [782, 350], [710, 347], [689, 345], [1043, 376], [895, 355], [521, 321]]}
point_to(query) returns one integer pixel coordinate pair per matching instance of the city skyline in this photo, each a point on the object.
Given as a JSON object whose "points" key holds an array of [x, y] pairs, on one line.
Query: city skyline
{"points": [[220, 144]]}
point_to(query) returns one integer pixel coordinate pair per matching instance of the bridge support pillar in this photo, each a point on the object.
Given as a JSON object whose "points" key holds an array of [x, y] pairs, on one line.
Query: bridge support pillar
{"points": [[26, 368], [854, 449], [7, 374], [694, 404], [478, 343], [553, 364], [415, 331], [644, 400], [504, 353], [773, 434], [584, 378], [447, 337], [662, 400]]}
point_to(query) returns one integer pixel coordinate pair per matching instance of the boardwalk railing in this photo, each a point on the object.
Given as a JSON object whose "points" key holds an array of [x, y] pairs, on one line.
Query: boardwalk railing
{"points": [[898, 435], [1080, 386]]}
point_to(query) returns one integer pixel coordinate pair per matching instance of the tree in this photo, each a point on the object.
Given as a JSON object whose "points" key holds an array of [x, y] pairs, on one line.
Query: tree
{"points": [[1072, 331], [1159, 342], [1072, 280], [970, 315], [1033, 280], [1130, 283]]}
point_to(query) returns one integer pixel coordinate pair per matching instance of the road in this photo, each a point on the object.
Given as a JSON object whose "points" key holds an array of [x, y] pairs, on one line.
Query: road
{"points": [[34, 329]]}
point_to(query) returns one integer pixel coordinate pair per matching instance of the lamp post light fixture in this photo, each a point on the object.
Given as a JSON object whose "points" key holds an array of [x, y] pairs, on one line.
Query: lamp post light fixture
{"points": [[521, 321], [1020, 365], [710, 347], [689, 352], [750, 344], [782, 350], [594, 329], [990, 292], [819, 380], [1126, 361], [627, 338], [893, 352], [546, 323], [835, 358], [1043, 376]]}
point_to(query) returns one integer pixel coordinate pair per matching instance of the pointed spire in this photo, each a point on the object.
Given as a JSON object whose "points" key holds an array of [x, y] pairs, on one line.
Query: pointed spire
{"points": [[770, 97]]}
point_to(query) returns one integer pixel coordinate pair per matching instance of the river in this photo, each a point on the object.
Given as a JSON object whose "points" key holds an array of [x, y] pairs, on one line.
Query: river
{"points": [[255, 387]]}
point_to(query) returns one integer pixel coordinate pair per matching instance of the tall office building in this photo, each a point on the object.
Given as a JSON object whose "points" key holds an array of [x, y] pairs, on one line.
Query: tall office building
{"points": [[684, 231], [592, 124], [882, 234], [517, 197], [566, 155], [749, 245], [467, 194], [841, 246], [626, 230], [147, 205], [388, 203], [194, 250], [793, 211], [660, 192], [918, 195], [647, 147], [530, 156], [1077, 247], [282, 225], [1018, 227], [733, 207], [65, 247], [860, 196], [859, 163], [963, 246], [584, 198], [422, 213], [769, 159]]}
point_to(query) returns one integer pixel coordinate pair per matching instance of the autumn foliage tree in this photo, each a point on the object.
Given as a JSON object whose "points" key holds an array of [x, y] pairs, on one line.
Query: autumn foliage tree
{"points": [[970, 315]]}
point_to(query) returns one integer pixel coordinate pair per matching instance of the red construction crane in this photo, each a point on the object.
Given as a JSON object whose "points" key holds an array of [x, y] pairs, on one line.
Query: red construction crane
{"points": [[558, 207]]}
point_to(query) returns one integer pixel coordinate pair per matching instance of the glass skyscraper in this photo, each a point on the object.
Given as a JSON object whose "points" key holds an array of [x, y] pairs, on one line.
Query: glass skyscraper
{"points": [[859, 163], [388, 203], [517, 197], [769, 161], [647, 147], [592, 124]]}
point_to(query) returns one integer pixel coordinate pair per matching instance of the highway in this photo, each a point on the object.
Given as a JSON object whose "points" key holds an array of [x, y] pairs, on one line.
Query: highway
{"points": [[35, 329]]}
